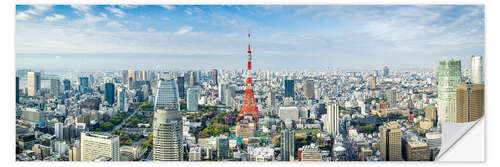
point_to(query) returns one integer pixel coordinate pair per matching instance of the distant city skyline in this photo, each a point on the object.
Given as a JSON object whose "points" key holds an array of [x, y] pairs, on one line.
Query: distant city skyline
{"points": [[81, 37]]}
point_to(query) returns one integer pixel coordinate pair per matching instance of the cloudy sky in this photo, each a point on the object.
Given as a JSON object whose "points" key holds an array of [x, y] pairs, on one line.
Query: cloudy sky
{"points": [[283, 37]]}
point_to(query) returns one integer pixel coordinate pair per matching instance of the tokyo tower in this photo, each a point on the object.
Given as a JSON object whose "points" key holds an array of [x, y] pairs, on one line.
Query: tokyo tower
{"points": [[249, 107]]}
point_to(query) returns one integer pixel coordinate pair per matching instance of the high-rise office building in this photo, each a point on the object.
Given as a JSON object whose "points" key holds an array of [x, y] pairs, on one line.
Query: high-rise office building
{"points": [[222, 145], [59, 130], [289, 88], [124, 77], [121, 98], [67, 84], [17, 89], [431, 112], [33, 83], [215, 77], [416, 151], [94, 145], [84, 84], [180, 86], [271, 98], [222, 92], [373, 82], [450, 76], [167, 96], [309, 89], [470, 102], [287, 140], [476, 69], [391, 97], [109, 93], [192, 98], [390, 142], [55, 87], [332, 119], [167, 135], [386, 71], [74, 154]]}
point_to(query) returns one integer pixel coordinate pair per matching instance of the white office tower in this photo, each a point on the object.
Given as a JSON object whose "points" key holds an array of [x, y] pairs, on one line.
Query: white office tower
{"points": [[476, 69], [94, 145], [391, 97], [58, 130], [167, 135], [193, 96], [362, 107], [450, 76], [33, 83], [332, 118], [222, 92], [167, 96], [121, 99]]}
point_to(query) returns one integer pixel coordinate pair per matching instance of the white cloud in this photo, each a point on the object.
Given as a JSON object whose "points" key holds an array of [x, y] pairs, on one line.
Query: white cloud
{"points": [[35, 10], [81, 8], [184, 30], [22, 16], [168, 7], [54, 17], [128, 6], [116, 11], [191, 11], [166, 19]]}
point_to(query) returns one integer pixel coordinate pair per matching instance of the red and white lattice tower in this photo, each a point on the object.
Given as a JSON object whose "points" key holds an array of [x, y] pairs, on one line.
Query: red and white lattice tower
{"points": [[249, 107]]}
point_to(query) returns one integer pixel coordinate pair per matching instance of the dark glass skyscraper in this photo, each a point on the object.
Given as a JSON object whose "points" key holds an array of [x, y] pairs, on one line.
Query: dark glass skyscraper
{"points": [[84, 84], [289, 88], [180, 86], [67, 84], [109, 93]]}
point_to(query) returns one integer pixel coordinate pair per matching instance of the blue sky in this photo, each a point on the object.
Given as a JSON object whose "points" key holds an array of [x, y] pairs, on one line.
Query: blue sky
{"points": [[283, 37]]}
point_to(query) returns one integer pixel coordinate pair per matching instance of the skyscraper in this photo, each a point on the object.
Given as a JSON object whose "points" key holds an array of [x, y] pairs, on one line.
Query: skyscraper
{"points": [[287, 144], [332, 119], [109, 93], [55, 87], [271, 98], [167, 135], [84, 84], [33, 83], [192, 98], [390, 142], [391, 97], [386, 71], [222, 145], [214, 75], [309, 89], [373, 82], [121, 98], [59, 130], [67, 84], [289, 88], [476, 69], [222, 92], [124, 77], [470, 102], [94, 145], [180, 85], [450, 75], [167, 95]]}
